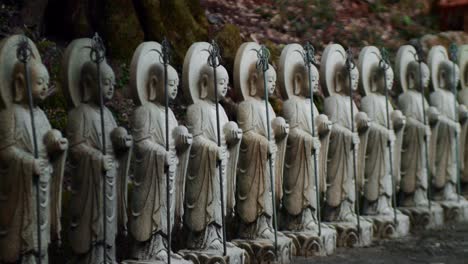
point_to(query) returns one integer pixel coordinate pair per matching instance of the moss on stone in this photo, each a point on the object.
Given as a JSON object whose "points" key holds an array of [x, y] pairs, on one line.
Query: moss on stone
{"points": [[229, 40]]}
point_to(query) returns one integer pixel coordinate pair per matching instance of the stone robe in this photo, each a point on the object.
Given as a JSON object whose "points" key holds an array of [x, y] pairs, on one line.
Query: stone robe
{"points": [[445, 176], [18, 215], [414, 172], [299, 197], [340, 195], [86, 205], [148, 220], [202, 211], [254, 204], [378, 186]]}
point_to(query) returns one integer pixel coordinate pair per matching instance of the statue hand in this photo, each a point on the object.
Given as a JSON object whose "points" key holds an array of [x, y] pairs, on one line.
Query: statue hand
{"points": [[107, 162], [398, 119], [272, 148], [280, 127], [427, 132], [121, 138], [170, 159], [315, 144], [61, 144], [185, 139], [40, 166], [221, 154], [362, 120], [356, 139], [391, 136]]}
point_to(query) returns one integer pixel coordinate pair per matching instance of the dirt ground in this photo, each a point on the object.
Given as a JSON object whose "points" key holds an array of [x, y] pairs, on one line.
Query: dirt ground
{"points": [[448, 245]]}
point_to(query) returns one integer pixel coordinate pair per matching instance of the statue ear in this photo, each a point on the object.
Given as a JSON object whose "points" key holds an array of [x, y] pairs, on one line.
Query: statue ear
{"points": [[442, 79], [297, 83], [253, 84], [338, 81], [152, 86], [20, 87], [204, 86]]}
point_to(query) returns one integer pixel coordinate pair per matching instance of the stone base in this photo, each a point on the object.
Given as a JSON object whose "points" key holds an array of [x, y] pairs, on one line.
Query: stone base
{"points": [[262, 251], [421, 218], [385, 227], [349, 236], [175, 259], [308, 243], [455, 211], [234, 255]]}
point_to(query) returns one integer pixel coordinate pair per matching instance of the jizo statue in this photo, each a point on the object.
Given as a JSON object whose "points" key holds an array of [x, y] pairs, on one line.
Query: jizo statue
{"points": [[300, 205], [98, 170], [32, 158], [463, 100], [416, 139], [445, 76], [378, 188], [215, 150], [342, 171], [153, 163], [254, 192]]}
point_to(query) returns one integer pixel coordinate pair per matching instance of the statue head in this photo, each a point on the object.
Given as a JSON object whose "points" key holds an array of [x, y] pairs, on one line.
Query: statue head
{"points": [[206, 85], [448, 75], [89, 82], [39, 81], [414, 76], [256, 84], [342, 79], [155, 83], [381, 79], [301, 80]]}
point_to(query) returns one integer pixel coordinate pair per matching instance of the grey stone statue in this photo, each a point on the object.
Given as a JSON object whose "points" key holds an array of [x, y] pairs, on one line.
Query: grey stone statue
{"points": [[149, 208], [444, 75], [378, 186], [19, 167], [202, 205], [253, 175], [299, 203], [463, 100], [91, 170], [341, 194]]}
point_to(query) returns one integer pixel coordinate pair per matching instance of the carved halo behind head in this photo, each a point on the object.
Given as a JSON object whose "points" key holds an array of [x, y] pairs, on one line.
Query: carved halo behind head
{"points": [[8, 62], [332, 65]]}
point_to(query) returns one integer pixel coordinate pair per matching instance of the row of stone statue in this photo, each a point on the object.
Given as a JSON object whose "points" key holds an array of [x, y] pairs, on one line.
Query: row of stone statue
{"points": [[216, 178]]}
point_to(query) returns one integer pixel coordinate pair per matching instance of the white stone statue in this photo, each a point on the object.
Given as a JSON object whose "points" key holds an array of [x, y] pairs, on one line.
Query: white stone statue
{"points": [[254, 197], [203, 215], [378, 189], [91, 170], [19, 169], [148, 209], [299, 202], [413, 184], [341, 196], [463, 100], [444, 75]]}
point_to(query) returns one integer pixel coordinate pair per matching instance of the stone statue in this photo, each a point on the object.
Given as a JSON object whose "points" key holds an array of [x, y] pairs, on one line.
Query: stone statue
{"points": [[376, 76], [444, 75], [463, 100], [253, 177], [299, 203], [341, 195], [413, 185], [202, 205], [148, 218], [19, 169], [92, 171]]}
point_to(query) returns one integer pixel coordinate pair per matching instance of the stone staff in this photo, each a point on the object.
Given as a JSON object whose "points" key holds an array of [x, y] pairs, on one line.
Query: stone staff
{"points": [[263, 54], [384, 64], [350, 65], [309, 59], [214, 61], [97, 55], [419, 58], [23, 53], [453, 49]]}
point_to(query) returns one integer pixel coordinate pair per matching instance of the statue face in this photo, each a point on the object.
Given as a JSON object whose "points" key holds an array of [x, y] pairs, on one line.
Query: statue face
{"points": [[222, 81], [172, 83], [354, 79], [39, 82], [107, 84], [314, 82], [382, 83]]}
